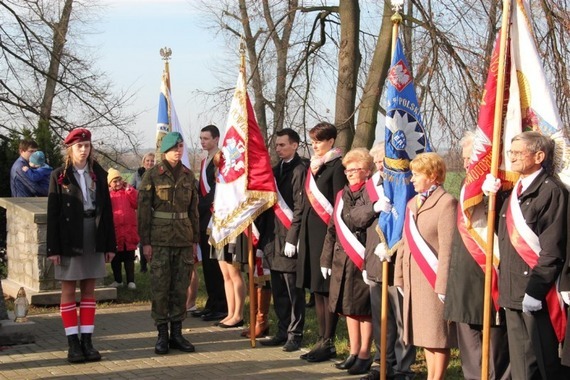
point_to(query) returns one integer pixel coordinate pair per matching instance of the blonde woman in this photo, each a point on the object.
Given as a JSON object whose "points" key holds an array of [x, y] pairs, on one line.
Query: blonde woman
{"points": [[343, 258], [423, 262]]}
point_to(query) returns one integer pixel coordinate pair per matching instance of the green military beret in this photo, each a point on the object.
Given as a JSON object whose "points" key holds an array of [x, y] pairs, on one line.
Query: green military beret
{"points": [[170, 141]]}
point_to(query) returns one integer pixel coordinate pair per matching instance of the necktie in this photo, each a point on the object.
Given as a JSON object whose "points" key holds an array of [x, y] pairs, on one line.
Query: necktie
{"points": [[82, 183], [519, 189]]}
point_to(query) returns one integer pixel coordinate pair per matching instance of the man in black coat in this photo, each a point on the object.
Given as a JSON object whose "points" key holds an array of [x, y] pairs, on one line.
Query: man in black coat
{"points": [[216, 306], [532, 240], [288, 300]]}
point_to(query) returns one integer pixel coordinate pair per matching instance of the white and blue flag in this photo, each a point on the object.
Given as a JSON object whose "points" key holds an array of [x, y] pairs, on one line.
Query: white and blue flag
{"points": [[405, 138]]}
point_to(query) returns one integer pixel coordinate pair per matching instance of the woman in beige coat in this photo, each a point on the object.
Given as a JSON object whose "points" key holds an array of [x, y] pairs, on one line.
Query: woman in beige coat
{"points": [[422, 272]]}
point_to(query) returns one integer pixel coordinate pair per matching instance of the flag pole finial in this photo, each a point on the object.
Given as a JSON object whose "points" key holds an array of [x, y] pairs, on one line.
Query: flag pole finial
{"points": [[165, 53], [397, 7]]}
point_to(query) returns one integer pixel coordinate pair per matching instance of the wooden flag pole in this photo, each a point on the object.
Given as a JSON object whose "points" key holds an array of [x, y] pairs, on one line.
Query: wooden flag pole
{"points": [[385, 306], [252, 293], [495, 153]]}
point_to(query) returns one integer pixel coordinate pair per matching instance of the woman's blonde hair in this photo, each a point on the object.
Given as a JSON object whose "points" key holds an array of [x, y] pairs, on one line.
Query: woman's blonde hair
{"points": [[431, 164], [359, 155], [147, 156]]}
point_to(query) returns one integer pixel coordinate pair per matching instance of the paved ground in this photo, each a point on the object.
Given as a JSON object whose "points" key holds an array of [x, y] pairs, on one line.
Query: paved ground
{"points": [[125, 336]]}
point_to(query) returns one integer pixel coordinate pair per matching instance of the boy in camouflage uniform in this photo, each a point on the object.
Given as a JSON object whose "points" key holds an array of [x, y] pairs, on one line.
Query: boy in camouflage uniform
{"points": [[169, 232]]}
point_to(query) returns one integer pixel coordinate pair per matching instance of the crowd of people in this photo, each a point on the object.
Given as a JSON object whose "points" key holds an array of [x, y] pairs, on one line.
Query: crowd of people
{"points": [[324, 237]]}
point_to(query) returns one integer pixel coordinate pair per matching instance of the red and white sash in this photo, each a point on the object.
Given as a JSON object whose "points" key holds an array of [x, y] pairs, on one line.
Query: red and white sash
{"points": [[353, 248], [204, 186], [478, 255], [375, 191], [421, 252], [319, 202], [282, 210], [527, 245]]}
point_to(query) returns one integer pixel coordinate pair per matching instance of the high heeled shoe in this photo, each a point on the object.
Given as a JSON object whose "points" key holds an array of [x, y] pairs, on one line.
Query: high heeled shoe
{"points": [[346, 363], [226, 326]]}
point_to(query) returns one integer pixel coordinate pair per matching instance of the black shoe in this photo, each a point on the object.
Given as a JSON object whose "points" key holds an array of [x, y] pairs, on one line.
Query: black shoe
{"points": [[213, 316], [360, 366], [177, 341], [225, 326], [200, 312], [325, 352], [75, 353], [346, 363], [274, 341], [90, 353], [307, 355], [161, 346], [311, 302], [292, 345], [374, 374]]}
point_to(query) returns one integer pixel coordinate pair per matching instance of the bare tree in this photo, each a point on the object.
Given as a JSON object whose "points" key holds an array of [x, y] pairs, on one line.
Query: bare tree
{"points": [[43, 81]]}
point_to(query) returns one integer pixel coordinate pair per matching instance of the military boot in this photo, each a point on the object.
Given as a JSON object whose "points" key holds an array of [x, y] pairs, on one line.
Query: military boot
{"points": [[91, 354], [75, 353], [161, 346], [177, 341]]}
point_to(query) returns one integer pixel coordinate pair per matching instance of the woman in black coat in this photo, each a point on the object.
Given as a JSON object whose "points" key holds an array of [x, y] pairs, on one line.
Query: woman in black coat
{"points": [[342, 259], [80, 238], [325, 178]]}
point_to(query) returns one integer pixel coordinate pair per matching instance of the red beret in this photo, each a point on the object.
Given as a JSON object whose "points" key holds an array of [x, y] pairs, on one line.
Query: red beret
{"points": [[77, 135]]}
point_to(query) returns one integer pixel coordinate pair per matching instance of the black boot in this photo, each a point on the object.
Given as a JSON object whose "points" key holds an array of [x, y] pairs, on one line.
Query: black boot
{"points": [[91, 354], [325, 352], [161, 346], [177, 341], [74, 354]]}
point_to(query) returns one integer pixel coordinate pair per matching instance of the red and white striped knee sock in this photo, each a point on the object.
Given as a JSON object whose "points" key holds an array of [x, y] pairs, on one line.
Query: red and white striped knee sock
{"points": [[68, 313], [87, 315]]}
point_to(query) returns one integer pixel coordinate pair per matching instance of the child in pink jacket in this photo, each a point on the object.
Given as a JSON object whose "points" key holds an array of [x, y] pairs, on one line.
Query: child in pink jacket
{"points": [[124, 204]]}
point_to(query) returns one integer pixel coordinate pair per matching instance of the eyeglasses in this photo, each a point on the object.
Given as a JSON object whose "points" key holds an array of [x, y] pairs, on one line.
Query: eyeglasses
{"points": [[518, 154], [352, 171]]}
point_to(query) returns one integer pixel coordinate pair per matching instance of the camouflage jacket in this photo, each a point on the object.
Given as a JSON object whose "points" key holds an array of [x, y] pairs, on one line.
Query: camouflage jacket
{"points": [[168, 209]]}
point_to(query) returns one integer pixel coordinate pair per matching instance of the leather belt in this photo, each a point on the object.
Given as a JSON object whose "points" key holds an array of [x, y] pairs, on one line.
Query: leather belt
{"points": [[89, 214], [170, 215]]}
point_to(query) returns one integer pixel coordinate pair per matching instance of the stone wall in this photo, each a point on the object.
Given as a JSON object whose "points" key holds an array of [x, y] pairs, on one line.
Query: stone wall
{"points": [[26, 247]]}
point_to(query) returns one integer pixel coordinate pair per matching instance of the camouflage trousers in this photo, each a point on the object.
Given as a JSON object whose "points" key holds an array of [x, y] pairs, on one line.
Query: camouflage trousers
{"points": [[170, 271]]}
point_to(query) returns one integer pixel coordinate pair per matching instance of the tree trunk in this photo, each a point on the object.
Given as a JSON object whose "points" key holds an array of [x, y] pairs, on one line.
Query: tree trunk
{"points": [[348, 66], [368, 111], [43, 133], [256, 81]]}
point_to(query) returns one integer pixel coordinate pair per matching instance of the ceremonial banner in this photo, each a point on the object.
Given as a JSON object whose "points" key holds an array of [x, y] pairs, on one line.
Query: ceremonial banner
{"points": [[167, 117], [531, 103], [405, 138], [245, 186]]}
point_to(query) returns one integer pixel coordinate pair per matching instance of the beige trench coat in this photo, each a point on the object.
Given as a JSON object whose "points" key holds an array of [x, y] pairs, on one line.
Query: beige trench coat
{"points": [[424, 325]]}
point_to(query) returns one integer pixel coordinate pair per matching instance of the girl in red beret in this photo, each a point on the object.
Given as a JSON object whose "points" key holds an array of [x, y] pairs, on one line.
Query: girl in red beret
{"points": [[80, 239]]}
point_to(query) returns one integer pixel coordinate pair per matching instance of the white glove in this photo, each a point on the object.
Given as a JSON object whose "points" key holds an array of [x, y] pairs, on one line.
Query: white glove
{"points": [[400, 290], [289, 250], [530, 304], [326, 272], [566, 297], [259, 254], [491, 185], [382, 205], [381, 251], [365, 277], [441, 297]]}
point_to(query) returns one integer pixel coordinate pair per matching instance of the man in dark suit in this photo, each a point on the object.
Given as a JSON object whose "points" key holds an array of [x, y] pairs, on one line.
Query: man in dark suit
{"points": [[532, 240], [216, 307], [288, 300]]}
